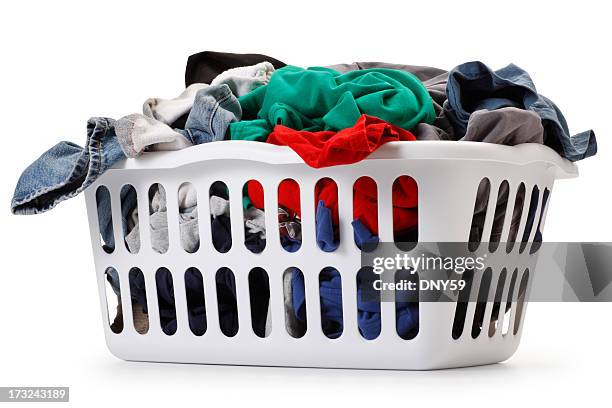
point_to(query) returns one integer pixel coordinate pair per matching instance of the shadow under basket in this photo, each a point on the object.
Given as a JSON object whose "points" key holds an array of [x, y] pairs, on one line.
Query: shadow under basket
{"points": [[449, 176]]}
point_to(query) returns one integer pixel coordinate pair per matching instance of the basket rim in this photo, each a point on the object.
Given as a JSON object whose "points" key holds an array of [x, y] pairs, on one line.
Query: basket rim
{"points": [[522, 154]]}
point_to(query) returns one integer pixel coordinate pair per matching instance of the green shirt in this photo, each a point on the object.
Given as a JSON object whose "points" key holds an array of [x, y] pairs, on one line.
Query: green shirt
{"points": [[317, 99]]}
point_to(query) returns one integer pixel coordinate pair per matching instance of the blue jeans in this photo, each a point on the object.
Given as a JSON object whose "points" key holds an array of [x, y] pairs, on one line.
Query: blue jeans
{"points": [[473, 86], [66, 169], [214, 108]]}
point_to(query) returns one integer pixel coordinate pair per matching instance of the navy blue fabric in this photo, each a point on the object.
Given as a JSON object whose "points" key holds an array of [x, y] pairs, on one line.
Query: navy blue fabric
{"points": [[254, 242], [165, 300], [194, 286], [364, 239], [222, 236], [290, 244], [330, 289], [368, 306], [326, 239], [221, 230], [259, 293], [226, 300], [196, 307], [473, 86], [105, 221]]}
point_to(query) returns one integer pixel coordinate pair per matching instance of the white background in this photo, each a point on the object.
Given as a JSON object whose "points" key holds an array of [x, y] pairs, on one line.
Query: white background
{"points": [[62, 63]]}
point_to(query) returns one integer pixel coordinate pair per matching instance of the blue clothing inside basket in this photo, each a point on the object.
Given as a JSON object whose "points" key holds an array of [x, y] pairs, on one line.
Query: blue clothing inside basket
{"points": [[290, 244], [105, 221], [222, 237], [226, 298], [328, 240], [473, 86], [330, 286], [330, 289], [368, 308], [364, 239]]}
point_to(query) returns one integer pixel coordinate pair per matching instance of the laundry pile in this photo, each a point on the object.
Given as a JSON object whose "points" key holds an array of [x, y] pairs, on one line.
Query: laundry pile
{"points": [[335, 115]]}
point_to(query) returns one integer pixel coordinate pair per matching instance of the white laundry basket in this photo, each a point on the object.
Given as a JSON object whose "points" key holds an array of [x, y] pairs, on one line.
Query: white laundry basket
{"points": [[448, 175]]}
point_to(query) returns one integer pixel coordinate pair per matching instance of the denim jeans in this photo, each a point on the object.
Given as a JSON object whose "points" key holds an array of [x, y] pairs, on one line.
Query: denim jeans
{"points": [[105, 220], [474, 86], [214, 108], [66, 169]]}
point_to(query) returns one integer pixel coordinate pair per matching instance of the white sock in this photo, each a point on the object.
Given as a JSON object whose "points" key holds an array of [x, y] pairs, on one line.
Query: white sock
{"points": [[136, 132], [243, 80], [169, 110]]}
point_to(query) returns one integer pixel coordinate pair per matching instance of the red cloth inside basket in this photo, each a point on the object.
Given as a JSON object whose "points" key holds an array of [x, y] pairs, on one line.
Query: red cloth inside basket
{"points": [[327, 148]]}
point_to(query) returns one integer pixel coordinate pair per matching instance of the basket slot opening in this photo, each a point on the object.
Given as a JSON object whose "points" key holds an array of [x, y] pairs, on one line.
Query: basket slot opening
{"points": [[165, 300], [129, 218], [537, 240], [221, 229], [295, 302], [105, 219], [113, 300], [196, 302], [531, 215], [462, 304], [520, 304], [365, 212], [405, 213], [495, 312], [509, 301], [254, 220], [259, 295], [406, 305], [326, 214], [158, 218], [481, 303], [517, 214], [481, 203], [500, 214], [289, 211], [138, 295], [368, 304], [226, 301], [330, 297], [188, 217]]}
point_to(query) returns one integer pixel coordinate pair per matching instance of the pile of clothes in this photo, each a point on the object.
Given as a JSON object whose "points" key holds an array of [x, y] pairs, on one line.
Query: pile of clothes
{"points": [[335, 115]]}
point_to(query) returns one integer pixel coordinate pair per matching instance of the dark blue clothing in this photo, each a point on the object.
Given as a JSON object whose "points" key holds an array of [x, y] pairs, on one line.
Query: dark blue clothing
{"points": [[364, 239], [290, 244], [330, 287], [105, 221], [226, 302], [473, 86], [368, 306], [326, 238], [222, 236], [194, 287]]}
